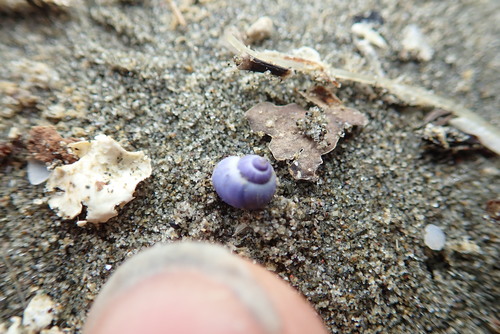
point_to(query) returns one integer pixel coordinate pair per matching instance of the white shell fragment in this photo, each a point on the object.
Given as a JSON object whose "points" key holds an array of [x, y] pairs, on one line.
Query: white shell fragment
{"points": [[366, 31], [105, 177], [37, 172], [434, 237], [39, 313]]}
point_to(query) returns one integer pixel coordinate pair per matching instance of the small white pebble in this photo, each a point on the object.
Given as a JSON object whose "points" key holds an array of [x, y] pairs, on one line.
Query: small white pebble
{"points": [[434, 237], [81, 223], [415, 44], [108, 267], [39, 201], [260, 30], [37, 172], [14, 133]]}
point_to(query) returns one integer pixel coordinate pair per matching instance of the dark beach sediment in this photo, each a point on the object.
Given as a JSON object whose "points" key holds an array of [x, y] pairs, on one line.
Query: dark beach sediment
{"points": [[352, 242]]}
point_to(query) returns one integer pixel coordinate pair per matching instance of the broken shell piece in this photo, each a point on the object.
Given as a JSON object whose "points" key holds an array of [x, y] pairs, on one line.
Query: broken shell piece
{"points": [[39, 313], [434, 237], [291, 141], [105, 177], [366, 31], [37, 172]]}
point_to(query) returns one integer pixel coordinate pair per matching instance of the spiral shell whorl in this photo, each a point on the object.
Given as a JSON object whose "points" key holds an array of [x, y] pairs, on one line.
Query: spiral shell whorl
{"points": [[255, 169], [248, 182]]}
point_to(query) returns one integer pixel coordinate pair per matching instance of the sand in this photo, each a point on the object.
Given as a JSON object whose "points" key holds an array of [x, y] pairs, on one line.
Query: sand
{"points": [[352, 242]]}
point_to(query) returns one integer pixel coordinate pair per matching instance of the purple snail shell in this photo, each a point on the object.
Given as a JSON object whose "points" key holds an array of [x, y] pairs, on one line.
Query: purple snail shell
{"points": [[247, 182]]}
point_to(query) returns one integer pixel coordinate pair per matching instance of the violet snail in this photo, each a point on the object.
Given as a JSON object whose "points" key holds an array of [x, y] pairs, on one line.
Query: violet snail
{"points": [[247, 182]]}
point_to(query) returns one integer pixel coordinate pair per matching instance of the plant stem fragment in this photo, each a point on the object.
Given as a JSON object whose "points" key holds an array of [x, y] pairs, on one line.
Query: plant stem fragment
{"points": [[465, 120]]}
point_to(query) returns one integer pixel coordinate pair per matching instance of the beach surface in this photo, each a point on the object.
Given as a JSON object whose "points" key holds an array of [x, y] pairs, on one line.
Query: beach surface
{"points": [[351, 242]]}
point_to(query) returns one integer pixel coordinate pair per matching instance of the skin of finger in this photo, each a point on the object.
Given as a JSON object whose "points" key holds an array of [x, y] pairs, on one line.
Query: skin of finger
{"points": [[190, 302], [296, 313], [183, 302]]}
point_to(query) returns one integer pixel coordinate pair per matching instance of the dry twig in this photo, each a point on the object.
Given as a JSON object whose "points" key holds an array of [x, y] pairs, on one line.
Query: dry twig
{"points": [[177, 13]]}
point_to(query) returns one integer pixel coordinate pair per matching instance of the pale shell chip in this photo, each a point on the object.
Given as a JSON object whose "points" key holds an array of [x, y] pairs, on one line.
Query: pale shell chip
{"points": [[103, 178]]}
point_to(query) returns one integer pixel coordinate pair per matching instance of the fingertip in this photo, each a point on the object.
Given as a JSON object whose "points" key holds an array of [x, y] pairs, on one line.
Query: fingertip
{"points": [[297, 314], [198, 288], [182, 302]]}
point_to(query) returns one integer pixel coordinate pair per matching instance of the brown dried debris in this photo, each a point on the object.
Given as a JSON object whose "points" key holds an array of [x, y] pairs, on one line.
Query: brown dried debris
{"points": [[252, 64], [322, 96], [303, 136], [276, 63], [438, 117], [13, 147], [441, 138], [465, 120], [46, 145], [493, 208], [6, 149]]}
